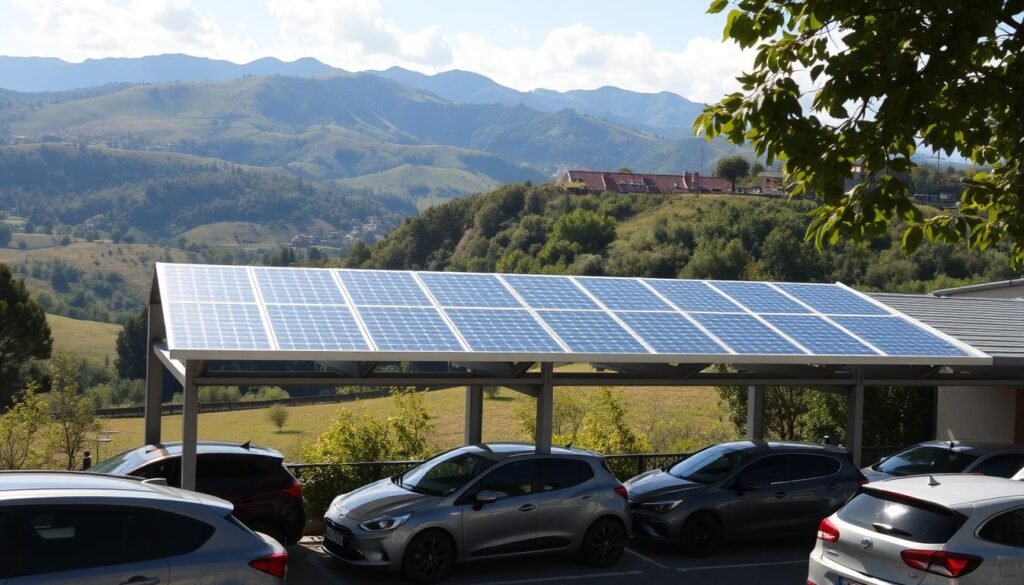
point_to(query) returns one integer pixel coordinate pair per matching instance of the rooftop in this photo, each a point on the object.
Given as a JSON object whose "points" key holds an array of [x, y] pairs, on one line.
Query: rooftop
{"points": [[965, 290]]}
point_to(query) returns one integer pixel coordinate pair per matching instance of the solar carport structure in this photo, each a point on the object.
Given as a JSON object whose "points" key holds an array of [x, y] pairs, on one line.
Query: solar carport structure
{"points": [[509, 330]]}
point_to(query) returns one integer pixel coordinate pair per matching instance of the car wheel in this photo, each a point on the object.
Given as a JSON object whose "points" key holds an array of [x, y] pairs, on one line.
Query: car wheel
{"points": [[428, 557], [273, 530], [604, 542], [701, 534]]}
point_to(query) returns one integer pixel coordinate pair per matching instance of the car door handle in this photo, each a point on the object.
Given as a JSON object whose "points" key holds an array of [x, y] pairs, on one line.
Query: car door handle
{"points": [[781, 494], [140, 580], [527, 508]]}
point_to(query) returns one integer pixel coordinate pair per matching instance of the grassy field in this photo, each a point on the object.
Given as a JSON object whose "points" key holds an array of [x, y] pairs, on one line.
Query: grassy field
{"points": [[673, 418], [92, 340]]}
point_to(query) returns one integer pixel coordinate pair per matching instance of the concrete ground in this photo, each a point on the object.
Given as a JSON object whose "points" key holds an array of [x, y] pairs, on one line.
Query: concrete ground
{"points": [[756, 563]]}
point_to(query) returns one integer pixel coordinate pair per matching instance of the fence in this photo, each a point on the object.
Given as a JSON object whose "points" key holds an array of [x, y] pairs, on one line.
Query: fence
{"points": [[168, 409]]}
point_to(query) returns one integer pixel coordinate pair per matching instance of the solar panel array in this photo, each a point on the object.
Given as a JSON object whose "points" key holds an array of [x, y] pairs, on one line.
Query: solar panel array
{"points": [[424, 315]]}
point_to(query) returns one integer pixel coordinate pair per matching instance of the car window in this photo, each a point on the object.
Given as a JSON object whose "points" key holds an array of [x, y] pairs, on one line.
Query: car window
{"points": [[52, 539], [904, 518], [557, 474], [803, 467], [165, 469], [710, 465], [765, 471], [509, 481], [1006, 528], [444, 474], [5, 544], [120, 464], [926, 459], [1002, 465]]}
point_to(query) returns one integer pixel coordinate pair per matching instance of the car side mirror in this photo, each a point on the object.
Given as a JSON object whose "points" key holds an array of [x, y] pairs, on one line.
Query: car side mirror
{"points": [[486, 497]]}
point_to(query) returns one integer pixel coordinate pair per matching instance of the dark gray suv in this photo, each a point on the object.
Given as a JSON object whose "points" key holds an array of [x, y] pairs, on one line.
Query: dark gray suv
{"points": [[481, 501], [741, 490]]}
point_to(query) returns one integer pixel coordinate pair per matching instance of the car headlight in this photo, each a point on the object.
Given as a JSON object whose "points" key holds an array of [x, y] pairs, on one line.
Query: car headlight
{"points": [[385, 523], [664, 506]]}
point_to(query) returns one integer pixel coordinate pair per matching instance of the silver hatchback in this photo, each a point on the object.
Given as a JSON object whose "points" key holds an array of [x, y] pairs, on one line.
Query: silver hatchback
{"points": [[94, 529], [481, 501]]}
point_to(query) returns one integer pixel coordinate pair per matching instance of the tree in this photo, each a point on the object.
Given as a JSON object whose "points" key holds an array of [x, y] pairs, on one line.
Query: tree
{"points": [[73, 413], [132, 346], [24, 333], [5, 235], [591, 230], [21, 428], [889, 79], [278, 416], [732, 168]]}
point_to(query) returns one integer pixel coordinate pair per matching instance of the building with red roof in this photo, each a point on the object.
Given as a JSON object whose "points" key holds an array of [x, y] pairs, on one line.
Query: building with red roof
{"points": [[618, 182]]}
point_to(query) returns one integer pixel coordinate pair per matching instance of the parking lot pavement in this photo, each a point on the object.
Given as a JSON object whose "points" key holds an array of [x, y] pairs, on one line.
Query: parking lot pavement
{"points": [[757, 563]]}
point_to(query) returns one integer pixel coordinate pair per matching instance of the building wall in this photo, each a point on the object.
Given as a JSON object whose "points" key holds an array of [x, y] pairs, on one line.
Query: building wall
{"points": [[979, 413]]}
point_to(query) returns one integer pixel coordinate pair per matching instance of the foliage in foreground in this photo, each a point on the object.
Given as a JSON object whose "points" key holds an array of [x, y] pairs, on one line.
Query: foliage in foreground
{"points": [[888, 78]]}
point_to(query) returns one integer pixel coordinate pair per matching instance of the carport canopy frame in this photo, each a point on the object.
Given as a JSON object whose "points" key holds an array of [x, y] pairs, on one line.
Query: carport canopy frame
{"points": [[535, 375]]}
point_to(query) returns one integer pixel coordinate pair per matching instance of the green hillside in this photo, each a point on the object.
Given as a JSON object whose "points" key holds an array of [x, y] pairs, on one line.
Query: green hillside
{"points": [[90, 339], [425, 185], [545, 229]]}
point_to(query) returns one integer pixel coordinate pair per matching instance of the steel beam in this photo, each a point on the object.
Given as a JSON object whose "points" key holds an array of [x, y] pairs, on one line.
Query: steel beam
{"points": [[855, 417], [755, 413], [154, 373], [474, 414], [545, 408], [190, 425]]}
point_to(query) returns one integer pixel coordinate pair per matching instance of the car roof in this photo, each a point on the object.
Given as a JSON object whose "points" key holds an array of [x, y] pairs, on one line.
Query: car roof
{"points": [[951, 489], [507, 449], [973, 447], [13, 484], [759, 447], [173, 448]]}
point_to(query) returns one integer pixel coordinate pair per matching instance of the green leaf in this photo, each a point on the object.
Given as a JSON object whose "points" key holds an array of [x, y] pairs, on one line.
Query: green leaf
{"points": [[717, 6], [912, 237]]}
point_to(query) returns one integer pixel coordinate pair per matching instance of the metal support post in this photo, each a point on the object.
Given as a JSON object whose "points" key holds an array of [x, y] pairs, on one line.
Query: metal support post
{"points": [[190, 425], [474, 414], [755, 413], [545, 406], [855, 417], [154, 375]]}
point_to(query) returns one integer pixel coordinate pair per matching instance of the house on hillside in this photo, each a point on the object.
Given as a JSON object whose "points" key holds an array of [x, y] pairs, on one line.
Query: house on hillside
{"points": [[771, 180], [618, 182]]}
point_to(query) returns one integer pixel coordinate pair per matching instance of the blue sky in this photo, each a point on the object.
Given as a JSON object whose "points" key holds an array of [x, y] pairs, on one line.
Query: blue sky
{"points": [[650, 45]]}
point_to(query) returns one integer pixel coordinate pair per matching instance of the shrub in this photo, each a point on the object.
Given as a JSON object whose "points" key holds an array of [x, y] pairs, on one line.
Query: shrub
{"points": [[278, 416]]}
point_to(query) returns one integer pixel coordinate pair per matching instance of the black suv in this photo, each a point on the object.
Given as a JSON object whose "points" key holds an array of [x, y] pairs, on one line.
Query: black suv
{"points": [[266, 496], [740, 490]]}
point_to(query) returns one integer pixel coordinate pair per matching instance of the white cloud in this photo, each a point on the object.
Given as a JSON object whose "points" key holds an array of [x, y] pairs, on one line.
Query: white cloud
{"points": [[77, 30]]}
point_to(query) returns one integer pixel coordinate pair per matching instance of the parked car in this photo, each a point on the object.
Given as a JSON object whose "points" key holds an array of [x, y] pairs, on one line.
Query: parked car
{"points": [[926, 529], [481, 501], [741, 490], [266, 496], [92, 529], [996, 459]]}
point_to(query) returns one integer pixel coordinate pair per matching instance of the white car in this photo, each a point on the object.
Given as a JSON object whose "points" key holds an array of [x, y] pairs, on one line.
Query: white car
{"points": [[93, 529], [925, 530]]}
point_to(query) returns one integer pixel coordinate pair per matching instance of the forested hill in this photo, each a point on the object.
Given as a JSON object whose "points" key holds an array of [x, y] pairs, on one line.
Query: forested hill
{"points": [[61, 188], [544, 229]]}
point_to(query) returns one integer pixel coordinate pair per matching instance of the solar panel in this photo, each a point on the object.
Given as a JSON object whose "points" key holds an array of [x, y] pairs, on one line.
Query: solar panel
{"points": [[216, 326], [409, 329], [693, 295], [623, 294], [745, 334], [383, 288], [759, 297], [818, 335], [591, 332], [452, 289], [832, 299], [546, 292], [896, 336], [298, 286], [670, 333], [200, 283], [315, 328], [510, 330]]}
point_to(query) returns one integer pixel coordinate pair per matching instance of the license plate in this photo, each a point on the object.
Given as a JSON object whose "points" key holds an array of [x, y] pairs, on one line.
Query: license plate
{"points": [[335, 536], [845, 581]]}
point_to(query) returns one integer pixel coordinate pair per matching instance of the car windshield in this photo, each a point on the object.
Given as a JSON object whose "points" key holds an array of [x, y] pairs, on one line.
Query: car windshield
{"points": [[926, 459], [710, 465], [120, 464], [444, 474]]}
